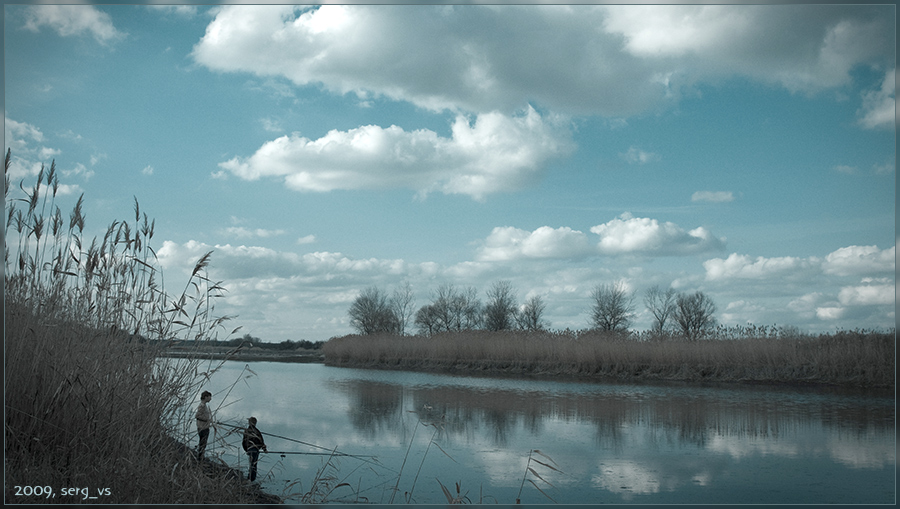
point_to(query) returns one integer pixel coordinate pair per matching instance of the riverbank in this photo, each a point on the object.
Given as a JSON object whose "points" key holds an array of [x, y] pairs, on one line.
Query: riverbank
{"points": [[85, 414], [92, 413], [859, 359], [243, 354]]}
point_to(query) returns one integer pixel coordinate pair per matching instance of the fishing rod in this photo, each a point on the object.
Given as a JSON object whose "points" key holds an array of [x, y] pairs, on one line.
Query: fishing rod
{"points": [[330, 453], [282, 453]]}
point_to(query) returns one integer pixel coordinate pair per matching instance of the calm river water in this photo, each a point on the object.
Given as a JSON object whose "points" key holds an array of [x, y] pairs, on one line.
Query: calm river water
{"points": [[610, 443]]}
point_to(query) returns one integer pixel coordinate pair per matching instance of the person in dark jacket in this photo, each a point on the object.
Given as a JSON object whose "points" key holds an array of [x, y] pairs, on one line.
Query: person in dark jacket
{"points": [[252, 443]]}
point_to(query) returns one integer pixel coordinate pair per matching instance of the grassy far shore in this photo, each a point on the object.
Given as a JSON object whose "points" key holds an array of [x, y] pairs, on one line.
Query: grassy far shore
{"points": [[857, 358]]}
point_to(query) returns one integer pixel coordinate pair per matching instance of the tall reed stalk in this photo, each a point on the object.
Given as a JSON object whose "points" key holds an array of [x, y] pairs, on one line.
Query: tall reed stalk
{"points": [[88, 401]]}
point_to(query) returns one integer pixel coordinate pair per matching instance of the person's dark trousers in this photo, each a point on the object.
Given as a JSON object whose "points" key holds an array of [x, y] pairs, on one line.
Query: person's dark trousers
{"points": [[201, 448], [254, 458]]}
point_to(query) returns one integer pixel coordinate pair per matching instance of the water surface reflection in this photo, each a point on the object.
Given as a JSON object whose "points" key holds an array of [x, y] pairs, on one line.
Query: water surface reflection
{"points": [[615, 442]]}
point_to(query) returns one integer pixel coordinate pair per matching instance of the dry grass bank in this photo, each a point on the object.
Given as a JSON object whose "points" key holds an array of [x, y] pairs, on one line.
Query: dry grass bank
{"points": [[88, 404], [849, 358]]}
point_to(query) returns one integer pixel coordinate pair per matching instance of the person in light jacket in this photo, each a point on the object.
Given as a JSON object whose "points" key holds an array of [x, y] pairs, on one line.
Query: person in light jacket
{"points": [[204, 420], [252, 443]]}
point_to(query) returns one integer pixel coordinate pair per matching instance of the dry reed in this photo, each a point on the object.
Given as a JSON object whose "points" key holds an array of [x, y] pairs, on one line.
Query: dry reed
{"points": [[747, 354], [88, 402]]}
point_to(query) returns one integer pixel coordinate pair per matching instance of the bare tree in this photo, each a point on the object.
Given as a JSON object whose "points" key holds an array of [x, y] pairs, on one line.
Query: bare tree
{"points": [[456, 310], [529, 317], [403, 305], [426, 319], [613, 307], [500, 310], [469, 308], [694, 314], [370, 313], [661, 304]]}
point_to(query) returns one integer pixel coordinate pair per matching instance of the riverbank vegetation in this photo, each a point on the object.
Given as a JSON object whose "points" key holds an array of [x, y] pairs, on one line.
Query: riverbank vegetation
{"points": [[89, 405], [859, 358]]}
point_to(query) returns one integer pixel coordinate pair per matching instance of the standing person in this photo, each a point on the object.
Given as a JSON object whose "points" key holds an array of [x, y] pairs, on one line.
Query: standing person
{"points": [[204, 420], [252, 443]]}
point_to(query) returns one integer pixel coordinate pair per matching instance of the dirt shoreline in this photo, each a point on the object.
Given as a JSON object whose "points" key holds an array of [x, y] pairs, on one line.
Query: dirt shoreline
{"points": [[220, 469]]}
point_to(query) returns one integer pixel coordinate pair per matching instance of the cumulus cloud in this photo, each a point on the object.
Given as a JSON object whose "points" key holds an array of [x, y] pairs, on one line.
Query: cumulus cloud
{"points": [[713, 196], [623, 235], [614, 60], [72, 20], [495, 153], [796, 47], [738, 266], [509, 243], [867, 294], [859, 260], [628, 234]]}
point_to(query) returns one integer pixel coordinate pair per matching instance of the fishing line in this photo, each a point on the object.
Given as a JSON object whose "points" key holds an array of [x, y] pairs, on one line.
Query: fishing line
{"points": [[330, 453]]}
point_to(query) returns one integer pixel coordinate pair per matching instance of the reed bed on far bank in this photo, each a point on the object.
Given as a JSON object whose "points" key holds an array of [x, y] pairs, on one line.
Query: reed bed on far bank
{"points": [[88, 403], [857, 358]]}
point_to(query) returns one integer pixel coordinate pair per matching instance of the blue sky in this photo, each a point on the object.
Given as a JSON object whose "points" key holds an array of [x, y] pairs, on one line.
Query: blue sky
{"points": [[744, 151]]}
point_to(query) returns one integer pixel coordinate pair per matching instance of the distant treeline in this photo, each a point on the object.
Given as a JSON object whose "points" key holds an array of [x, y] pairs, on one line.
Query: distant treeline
{"points": [[250, 341], [375, 311]]}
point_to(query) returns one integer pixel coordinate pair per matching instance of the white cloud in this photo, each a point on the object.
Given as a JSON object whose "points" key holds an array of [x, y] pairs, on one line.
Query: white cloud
{"points": [[628, 234], [79, 170], [614, 60], [270, 125], [623, 235], [744, 267], [638, 156], [148, 170], [184, 11], [878, 108], [18, 134], [867, 295], [713, 196], [246, 233], [308, 239], [509, 243], [742, 311], [72, 20], [845, 169], [797, 47], [806, 304], [859, 260], [25, 157], [830, 312], [497, 153]]}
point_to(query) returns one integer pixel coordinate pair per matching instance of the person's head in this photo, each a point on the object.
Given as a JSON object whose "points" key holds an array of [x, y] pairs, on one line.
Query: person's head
{"points": [[252, 421], [205, 396]]}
